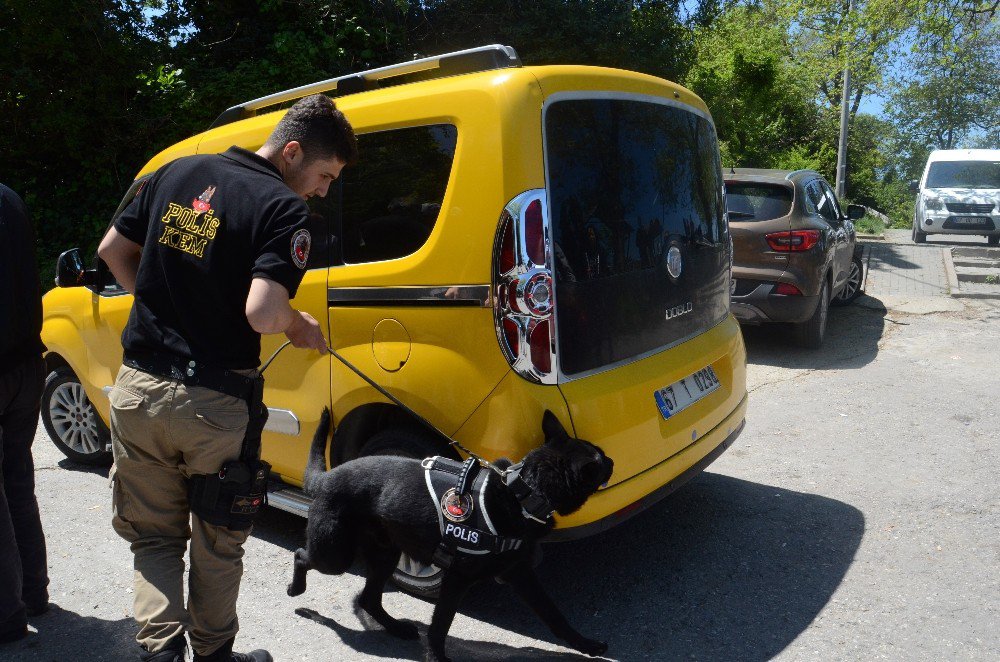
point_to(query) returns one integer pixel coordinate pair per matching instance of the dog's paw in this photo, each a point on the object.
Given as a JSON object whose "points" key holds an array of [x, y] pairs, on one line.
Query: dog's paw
{"points": [[431, 656], [591, 647], [296, 588], [403, 630]]}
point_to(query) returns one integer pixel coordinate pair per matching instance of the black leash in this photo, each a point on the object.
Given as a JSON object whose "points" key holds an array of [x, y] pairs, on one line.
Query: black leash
{"points": [[481, 460]]}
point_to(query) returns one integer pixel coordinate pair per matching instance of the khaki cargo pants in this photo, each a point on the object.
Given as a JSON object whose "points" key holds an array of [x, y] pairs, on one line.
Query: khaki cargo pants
{"points": [[163, 432]]}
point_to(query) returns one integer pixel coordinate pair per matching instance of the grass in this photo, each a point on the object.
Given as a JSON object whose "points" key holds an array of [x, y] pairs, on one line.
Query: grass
{"points": [[869, 225]]}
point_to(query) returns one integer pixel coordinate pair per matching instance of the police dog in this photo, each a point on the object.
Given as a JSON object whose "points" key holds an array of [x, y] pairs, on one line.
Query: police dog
{"points": [[379, 506]]}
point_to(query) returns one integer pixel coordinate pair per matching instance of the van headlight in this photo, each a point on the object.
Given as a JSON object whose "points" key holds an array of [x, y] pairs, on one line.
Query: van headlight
{"points": [[934, 204]]}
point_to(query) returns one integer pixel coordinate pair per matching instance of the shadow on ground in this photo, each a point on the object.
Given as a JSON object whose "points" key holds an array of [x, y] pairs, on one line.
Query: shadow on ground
{"points": [[852, 336], [725, 569], [66, 635]]}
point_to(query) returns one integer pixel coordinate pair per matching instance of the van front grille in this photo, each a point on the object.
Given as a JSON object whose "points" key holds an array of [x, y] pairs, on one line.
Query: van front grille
{"points": [[969, 208]]}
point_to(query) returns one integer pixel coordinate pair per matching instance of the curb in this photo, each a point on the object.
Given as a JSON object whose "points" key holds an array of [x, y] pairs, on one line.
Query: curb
{"points": [[871, 237], [949, 269]]}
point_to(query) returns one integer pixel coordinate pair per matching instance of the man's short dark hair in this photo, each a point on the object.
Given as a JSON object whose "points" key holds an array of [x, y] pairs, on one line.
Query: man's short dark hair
{"points": [[322, 130]]}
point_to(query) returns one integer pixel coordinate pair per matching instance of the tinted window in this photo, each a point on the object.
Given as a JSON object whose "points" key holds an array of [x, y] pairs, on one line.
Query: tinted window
{"points": [[749, 201], [629, 181], [964, 174], [387, 204], [818, 201], [832, 199]]}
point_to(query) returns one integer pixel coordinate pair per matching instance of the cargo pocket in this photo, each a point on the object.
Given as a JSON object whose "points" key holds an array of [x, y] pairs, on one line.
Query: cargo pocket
{"points": [[224, 420], [121, 519], [124, 399]]}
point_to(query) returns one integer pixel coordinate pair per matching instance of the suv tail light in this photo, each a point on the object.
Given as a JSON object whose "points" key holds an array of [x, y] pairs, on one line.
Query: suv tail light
{"points": [[524, 301], [792, 241], [787, 289]]}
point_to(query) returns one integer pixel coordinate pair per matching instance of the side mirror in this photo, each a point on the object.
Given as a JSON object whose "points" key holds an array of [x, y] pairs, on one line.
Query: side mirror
{"points": [[914, 186], [70, 270], [854, 212]]}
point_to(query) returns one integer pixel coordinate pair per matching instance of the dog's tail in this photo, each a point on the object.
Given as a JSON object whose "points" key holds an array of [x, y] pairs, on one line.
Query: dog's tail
{"points": [[317, 452]]}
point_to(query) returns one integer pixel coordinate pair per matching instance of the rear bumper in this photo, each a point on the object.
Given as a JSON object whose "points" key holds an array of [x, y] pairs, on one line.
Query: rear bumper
{"points": [[761, 305], [653, 484]]}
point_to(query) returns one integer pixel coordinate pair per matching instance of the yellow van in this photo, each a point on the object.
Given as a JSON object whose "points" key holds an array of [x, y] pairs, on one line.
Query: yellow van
{"points": [[513, 239]]}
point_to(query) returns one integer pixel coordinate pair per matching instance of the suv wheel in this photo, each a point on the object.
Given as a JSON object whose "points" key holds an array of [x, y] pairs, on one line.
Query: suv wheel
{"points": [[918, 236], [71, 420], [416, 578], [810, 333], [852, 288]]}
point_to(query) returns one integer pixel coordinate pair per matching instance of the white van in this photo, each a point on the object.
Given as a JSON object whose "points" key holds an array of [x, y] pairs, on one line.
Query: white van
{"points": [[959, 193]]}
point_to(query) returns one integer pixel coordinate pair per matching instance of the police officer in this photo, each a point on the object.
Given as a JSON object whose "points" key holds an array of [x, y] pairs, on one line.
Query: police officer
{"points": [[213, 247], [23, 572]]}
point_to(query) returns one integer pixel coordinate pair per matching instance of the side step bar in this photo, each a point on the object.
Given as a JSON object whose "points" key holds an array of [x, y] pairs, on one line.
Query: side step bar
{"points": [[288, 498]]}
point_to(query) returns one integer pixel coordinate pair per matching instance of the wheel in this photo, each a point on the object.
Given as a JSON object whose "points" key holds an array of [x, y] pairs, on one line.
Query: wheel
{"points": [[71, 420], [412, 576], [918, 236], [852, 288], [810, 333], [993, 239]]}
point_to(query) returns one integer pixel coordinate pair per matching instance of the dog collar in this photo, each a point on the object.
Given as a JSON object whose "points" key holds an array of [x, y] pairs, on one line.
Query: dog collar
{"points": [[533, 505]]}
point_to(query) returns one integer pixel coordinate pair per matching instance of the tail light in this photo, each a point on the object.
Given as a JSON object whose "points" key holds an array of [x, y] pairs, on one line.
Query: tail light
{"points": [[787, 289], [792, 241], [524, 305]]}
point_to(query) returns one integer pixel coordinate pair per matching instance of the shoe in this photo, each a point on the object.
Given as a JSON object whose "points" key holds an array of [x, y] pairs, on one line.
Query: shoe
{"points": [[174, 651], [225, 654], [14, 628], [8, 635]]}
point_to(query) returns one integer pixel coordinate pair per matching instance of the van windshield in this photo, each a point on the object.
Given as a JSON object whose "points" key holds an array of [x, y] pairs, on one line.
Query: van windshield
{"points": [[964, 174], [633, 185]]}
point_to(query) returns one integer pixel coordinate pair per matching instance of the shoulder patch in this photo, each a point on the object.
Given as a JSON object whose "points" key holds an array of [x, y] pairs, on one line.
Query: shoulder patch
{"points": [[301, 241]]}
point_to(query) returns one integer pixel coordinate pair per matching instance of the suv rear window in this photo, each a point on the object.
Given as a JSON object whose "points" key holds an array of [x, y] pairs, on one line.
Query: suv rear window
{"points": [[752, 201], [628, 180]]}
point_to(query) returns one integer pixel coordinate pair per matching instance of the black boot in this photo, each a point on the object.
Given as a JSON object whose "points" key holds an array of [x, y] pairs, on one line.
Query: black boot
{"points": [[225, 654], [174, 651]]}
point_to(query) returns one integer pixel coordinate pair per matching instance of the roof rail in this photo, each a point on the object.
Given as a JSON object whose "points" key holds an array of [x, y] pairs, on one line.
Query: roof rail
{"points": [[483, 58]]}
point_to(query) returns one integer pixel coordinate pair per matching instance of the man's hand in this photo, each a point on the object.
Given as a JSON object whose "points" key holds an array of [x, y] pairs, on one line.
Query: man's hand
{"points": [[305, 333]]}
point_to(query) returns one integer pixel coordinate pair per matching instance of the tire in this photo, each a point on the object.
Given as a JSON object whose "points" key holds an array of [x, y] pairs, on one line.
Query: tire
{"points": [[73, 424], [993, 239], [810, 334], [418, 579], [852, 288], [918, 236]]}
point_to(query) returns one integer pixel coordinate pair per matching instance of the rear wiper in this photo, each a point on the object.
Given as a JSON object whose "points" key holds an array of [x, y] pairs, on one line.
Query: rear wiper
{"points": [[742, 214]]}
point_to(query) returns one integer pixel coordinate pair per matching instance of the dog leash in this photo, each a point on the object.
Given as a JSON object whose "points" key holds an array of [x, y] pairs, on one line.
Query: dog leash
{"points": [[454, 442]]}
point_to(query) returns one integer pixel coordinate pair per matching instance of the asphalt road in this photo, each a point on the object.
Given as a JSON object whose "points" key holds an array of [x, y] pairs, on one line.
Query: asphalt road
{"points": [[856, 518]]}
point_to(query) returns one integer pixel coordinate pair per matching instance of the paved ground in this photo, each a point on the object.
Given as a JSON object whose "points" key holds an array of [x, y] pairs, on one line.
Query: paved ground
{"points": [[856, 518]]}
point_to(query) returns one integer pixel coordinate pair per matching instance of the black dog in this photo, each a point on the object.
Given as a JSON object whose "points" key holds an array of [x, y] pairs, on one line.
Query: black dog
{"points": [[379, 506]]}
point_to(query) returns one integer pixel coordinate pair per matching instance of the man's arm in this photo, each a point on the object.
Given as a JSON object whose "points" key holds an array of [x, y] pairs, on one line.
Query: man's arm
{"points": [[269, 311], [122, 257]]}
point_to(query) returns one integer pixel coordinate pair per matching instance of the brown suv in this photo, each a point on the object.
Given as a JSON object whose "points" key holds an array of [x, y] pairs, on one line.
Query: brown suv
{"points": [[794, 250]]}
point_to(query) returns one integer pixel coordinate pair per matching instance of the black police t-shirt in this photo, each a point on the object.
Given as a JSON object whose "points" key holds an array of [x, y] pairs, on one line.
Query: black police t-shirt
{"points": [[208, 225]]}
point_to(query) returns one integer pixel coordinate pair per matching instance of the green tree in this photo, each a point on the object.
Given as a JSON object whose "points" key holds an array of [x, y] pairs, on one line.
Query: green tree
{"points": [[761, 101], [950, 92]]}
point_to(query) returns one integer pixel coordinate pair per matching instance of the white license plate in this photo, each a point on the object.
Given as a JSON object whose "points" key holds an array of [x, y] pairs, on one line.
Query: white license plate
{"points": [[685, 392], [969, 220]]}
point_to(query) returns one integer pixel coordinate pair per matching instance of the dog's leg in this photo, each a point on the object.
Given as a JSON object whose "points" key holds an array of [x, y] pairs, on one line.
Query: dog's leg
{"points": [[525, 583], [453, 588], [301, 567], [381, 562]]}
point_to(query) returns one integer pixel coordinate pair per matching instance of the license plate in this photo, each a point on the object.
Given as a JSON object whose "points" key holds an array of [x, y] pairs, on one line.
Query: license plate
{"points": [[685, 392], [969, 220]]}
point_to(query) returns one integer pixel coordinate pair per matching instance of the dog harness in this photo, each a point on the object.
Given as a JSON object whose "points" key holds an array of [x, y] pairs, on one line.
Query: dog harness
{"points": [[458, 490]]}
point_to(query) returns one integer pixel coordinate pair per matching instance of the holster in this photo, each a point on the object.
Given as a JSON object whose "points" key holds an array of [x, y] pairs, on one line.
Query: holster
{"points": [[233, 496]]}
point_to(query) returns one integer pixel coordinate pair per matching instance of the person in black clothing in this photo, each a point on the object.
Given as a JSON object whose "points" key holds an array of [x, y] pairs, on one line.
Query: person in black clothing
{"points": [[214, 247], [24, 575]]}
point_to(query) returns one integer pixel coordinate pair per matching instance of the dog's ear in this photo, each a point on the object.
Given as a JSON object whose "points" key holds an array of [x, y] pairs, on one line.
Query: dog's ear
{"points": [[552, 428]]}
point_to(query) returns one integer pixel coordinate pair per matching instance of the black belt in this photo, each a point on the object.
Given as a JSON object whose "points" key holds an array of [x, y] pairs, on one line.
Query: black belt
{"points": [[192, 373]]}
